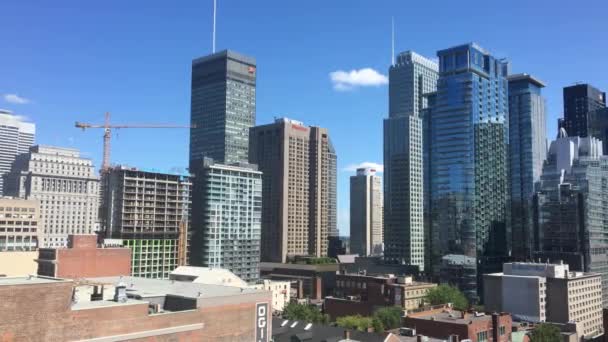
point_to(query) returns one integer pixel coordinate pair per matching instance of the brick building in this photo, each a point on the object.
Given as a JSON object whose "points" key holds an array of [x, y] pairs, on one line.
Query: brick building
{"points": [[442, 322], [83, 258], [363, 294], [45, 309], [308, 281]]}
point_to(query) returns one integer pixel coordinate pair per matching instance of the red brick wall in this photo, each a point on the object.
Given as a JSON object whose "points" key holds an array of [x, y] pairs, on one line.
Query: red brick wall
{"points": [[82, 241], [96, 262], [443, 330], [42, 312]]}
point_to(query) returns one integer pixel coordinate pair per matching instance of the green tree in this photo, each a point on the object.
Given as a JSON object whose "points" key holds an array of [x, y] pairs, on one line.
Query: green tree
{"points": [[306, 313], [444, 294], [357, 322], [545, 333], [377, 325], [389, 317]]}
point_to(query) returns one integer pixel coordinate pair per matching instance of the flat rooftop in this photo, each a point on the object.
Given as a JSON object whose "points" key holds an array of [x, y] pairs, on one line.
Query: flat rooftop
{"points": [[145, 287], [453, 316], [30, 280]]}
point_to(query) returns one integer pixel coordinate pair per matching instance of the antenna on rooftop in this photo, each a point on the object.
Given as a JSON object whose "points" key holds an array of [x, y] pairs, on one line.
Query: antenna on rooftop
{"points": [[214, 12], [392, 40]]}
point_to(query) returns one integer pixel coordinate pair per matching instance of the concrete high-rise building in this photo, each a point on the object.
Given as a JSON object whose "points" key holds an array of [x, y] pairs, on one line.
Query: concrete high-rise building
{"points": [[579, 101], [19, 224], [366, 223], [468, 165], [222, 107], [527, 152], [299, 209], [410, 79], [147, 211], [16, 137], [572, 206], [66, 187], [536, 292], [231, 210]]}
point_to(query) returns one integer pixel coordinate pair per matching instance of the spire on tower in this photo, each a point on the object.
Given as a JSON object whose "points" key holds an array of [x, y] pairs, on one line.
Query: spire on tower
{"points": [[392, 40]]}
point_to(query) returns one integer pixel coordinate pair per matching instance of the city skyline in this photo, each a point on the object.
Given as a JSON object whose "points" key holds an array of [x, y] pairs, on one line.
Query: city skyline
{"points": [[56, 89]]}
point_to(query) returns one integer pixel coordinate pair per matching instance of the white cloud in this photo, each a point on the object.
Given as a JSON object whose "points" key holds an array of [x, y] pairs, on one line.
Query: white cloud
{"points": [[372, 165], [348, 80], [15, 99]]}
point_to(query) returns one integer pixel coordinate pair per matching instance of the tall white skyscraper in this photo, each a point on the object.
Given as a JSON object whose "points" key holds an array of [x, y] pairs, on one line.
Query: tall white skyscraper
{"points": [[66, 187], [410, 78], [366, 226], [16, 137]]}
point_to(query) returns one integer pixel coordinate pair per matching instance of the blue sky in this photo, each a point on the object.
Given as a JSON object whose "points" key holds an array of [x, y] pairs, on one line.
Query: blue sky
{"points": [[75, 60]]}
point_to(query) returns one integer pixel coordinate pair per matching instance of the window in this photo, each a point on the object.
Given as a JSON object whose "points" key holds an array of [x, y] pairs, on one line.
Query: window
{"points": [[501, 330], [482, 336]]}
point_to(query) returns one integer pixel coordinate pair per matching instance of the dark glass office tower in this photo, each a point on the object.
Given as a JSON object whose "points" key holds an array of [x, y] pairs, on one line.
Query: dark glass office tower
{"points": [[468, 127], [579, 101], [222, 107], [527, 152]]}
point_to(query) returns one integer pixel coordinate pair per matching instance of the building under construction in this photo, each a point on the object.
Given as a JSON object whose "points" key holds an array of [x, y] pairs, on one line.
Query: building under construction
{"points": [[149, 212]]}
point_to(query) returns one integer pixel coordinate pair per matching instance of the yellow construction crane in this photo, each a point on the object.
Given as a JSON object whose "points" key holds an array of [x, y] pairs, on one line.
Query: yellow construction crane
{"points": [[107, 127]]}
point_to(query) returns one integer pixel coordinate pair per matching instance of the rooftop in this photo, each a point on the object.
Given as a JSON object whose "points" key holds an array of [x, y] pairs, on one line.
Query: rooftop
{"points": [[526, 77], [283, 330], [29, 280], [145, 287], [451, 316]]}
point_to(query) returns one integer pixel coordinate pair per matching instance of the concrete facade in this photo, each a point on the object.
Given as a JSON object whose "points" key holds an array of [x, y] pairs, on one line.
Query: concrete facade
{"points": [[146, 211], [19, 224], [18, 263], [366, 217], [83, 258], [16, 137], [299, 188], [66, 187], [538, 292]]}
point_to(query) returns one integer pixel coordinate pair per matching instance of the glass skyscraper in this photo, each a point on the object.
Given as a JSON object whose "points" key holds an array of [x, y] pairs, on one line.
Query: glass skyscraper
{"points": [[527, 152], [579, 101], [468, 127], [225, 203], [409, 79], [222, 107], [231, 217]]}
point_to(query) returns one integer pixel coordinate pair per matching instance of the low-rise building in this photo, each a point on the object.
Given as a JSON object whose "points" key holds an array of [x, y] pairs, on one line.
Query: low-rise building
{"points": [[297, 331], [445, 323], [19, 224], [363, 294], [540, 292], [48, 309], [18, 263], [218, 276], [307, 281], [84, 258]]}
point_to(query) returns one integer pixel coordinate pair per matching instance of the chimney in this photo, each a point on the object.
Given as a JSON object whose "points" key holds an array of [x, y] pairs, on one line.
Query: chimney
{"points": [[347, 335], [464, 315], [495, 324], [453, 338], [120, 293], [419, 338]]}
